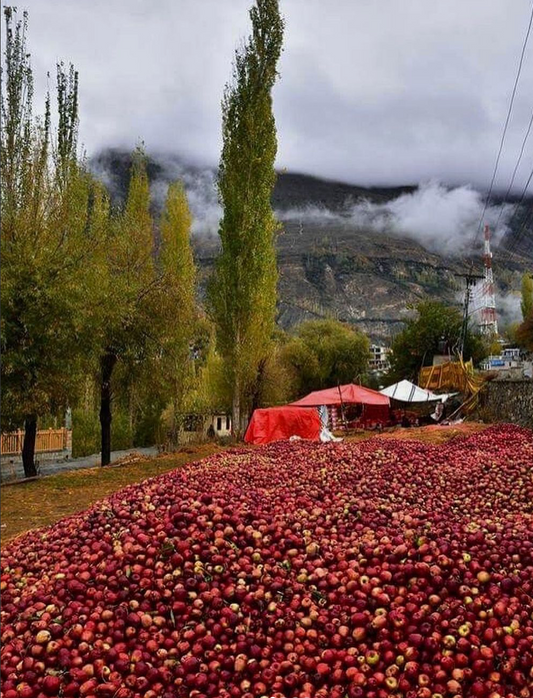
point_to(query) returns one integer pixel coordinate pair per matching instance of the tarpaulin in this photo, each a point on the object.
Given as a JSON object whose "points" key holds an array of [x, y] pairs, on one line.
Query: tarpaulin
{"points": [[277, 423], [405, 391]]}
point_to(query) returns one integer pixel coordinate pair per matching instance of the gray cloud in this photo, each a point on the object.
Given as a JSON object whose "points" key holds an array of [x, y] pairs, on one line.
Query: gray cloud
{"points": [[443, 219], [371, 92]]}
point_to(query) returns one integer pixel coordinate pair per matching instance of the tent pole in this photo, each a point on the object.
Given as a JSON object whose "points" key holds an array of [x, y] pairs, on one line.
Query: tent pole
{"points": [[342, 407]]}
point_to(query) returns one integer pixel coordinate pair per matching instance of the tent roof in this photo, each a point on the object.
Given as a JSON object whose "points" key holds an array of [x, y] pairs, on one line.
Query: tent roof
{"points": [[350, 394], [405, 391]]}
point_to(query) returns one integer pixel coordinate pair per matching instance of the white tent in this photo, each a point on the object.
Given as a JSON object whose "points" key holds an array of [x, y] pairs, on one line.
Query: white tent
{"points": [[405, 391]]}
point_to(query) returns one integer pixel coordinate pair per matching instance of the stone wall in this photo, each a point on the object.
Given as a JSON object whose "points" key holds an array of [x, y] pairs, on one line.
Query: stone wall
{"points": [[508, 401]]}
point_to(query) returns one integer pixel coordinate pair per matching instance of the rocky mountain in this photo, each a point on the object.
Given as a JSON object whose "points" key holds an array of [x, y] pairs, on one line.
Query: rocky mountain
{"points": [[363, 255]]}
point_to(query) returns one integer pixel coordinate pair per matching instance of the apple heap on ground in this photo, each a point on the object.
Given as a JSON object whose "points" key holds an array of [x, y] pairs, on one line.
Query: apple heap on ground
{"points": [[379, 569]]}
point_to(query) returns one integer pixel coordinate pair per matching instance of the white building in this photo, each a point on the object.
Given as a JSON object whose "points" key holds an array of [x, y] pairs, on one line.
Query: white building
{"points": [[508, 359], [198, 428], [379, 358]]}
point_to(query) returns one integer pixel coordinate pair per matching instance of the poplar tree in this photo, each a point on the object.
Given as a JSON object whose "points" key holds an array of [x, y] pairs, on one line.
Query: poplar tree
{"points": [[526, 304], [524, 332], [178, 310], [128, 286], [50, 210], [242, 296]]}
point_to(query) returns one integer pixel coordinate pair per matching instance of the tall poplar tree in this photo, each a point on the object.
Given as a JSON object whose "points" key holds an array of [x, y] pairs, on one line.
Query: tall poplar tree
{"points": [[242, 296], [178, 310], [526, 304], [49, 206], [128, 286]]}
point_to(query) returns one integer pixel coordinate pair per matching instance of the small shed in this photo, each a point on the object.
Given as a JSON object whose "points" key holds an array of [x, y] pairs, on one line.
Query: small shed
{"points": [[200, 427]]}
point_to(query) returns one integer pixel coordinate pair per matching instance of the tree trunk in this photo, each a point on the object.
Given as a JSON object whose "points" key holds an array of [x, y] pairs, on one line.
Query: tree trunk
{"points": [[258, 385], [173, 435], [236, 411], [107, 364], [28, 447]]}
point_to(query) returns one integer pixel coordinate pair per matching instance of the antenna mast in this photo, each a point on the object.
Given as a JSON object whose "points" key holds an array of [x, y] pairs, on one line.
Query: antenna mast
{"points": [[488, 324]]}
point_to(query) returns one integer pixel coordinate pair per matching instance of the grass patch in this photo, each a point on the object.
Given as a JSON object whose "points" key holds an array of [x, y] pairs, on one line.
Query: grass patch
{"points": [[28, 505]]}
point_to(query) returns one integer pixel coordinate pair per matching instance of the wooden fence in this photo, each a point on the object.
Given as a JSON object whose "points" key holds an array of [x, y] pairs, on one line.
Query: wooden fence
{"points": [[47, 441]]}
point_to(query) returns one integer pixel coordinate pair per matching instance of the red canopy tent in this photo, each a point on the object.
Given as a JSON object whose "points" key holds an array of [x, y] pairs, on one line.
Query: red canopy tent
{"points": [[277, 423], [376, 406]]}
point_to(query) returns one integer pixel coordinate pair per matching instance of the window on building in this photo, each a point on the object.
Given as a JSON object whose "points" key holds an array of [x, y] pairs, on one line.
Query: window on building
{"points": [[227, 424], [219, 423]]}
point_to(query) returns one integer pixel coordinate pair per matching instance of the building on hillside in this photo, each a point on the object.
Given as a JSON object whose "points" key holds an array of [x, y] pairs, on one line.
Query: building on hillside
{"points": [[379, 359], [510, 360]]}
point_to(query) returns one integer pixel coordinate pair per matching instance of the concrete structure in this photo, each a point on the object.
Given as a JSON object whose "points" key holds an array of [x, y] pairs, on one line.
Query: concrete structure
{"points": [[379, 358], [198, 427], [510, 360]]}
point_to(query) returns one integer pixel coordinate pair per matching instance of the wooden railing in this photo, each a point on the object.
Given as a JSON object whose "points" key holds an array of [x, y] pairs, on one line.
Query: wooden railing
{"points": [[47, 441]]}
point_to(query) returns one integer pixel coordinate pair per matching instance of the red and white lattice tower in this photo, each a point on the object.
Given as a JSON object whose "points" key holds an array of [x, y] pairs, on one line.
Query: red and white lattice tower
{"points": [[488, 324]]}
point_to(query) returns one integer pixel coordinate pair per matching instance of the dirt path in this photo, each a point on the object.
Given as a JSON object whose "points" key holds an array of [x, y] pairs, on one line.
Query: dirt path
{"points": [[15, 471]]}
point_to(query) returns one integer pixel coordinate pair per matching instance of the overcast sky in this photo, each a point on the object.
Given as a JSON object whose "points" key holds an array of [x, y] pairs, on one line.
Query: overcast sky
{"points": [[371, 91]]}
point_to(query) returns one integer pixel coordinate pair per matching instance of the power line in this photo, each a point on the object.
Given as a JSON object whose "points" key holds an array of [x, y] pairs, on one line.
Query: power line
{"points": [[487, 199], [522, 196], [517, 235], [514, 171]]}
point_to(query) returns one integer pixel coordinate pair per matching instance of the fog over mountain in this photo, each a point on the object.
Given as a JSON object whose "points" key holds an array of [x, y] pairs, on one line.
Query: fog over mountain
{"points": [[444, 219], [358, 253], [389, 116]]}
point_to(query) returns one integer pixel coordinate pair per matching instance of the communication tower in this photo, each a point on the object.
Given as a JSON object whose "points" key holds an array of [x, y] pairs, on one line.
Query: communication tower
{"points": [[488, 323]]}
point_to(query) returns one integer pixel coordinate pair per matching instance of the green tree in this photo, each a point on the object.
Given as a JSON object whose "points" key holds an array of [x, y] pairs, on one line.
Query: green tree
{"points": [[435, 329], [177, 312], [524, 333], [242, 296], [50, 209], [273, 382], [129, 286], [527, 295], [149, 309], [325, 353]]}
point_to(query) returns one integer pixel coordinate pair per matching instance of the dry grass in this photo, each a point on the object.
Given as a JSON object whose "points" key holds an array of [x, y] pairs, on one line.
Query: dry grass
{"points": [[435, 434], [42, 502], [28, 505]]}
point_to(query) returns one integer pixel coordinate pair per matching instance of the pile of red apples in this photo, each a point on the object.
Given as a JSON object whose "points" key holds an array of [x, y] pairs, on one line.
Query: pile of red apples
{"points": [[372, 570]]}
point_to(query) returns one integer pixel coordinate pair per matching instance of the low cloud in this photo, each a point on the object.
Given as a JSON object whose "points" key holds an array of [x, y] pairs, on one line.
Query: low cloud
{"points": [[508, 309], [442, 219], [200, 186]]}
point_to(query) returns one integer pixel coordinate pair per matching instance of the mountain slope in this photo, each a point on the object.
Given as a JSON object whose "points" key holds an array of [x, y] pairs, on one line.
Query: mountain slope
{"points": [[334, 259]]}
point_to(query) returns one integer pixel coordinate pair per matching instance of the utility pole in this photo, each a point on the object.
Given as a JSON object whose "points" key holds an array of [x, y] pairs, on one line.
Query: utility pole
{"points": [[470, 280]]}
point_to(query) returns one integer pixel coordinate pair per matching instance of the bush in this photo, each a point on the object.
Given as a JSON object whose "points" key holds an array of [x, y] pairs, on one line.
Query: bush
{"points": [[121, 432], [85, 433]]}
